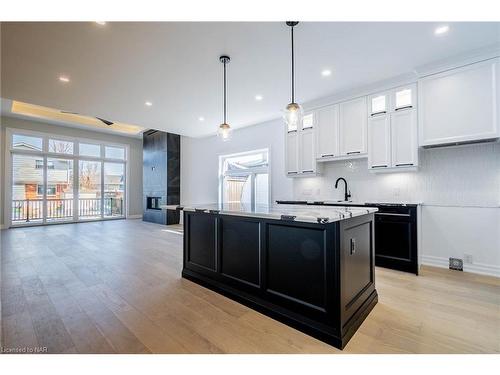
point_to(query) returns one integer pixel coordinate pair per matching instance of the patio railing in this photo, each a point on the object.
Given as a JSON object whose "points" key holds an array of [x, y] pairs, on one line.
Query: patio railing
{"points": [[27, 210]]}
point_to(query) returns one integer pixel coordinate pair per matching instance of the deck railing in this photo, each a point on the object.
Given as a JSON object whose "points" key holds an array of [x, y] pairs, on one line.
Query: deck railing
{"points": [[27, 210]]}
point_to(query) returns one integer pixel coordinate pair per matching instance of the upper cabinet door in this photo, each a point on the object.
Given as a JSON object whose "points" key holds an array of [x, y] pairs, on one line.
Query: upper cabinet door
{"points": [[327, 144], [459, 105], [378, 104], [307, 156], [404, 98], [292, 153], [379, 142], [308, 121], [404, 139], [353, 127]]}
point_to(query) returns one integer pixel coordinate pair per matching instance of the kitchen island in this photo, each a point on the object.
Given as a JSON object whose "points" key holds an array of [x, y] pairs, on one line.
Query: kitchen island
{"points": [[309, 267]]}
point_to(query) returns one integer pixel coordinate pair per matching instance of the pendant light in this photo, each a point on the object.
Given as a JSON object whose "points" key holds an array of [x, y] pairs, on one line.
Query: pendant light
{"points": [[224, 129], [293, 112]]}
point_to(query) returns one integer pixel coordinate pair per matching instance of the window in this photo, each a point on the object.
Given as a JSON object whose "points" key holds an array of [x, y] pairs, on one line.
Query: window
{"points": [[39, 164], [244, 178], [403, 98], [89, 149], [379, 104], [60, 147], [26, 142], [111, 152], [308, 121], [51, 190]]}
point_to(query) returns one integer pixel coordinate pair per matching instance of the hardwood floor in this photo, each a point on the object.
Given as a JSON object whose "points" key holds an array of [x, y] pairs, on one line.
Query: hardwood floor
{"points": [[115, 287]]}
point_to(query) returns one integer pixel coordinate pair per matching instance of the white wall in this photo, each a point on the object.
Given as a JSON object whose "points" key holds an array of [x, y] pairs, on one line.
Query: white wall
{"points": [[135, 159], [200, 161]]}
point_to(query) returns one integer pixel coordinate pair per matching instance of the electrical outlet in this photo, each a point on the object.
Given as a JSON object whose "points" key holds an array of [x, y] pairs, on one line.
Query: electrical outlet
{"points": [[468, 258], [456, 264]]}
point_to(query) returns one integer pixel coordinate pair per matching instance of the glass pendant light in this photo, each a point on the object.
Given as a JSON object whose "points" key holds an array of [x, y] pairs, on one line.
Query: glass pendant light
{"points": [[293, 112], [225, 130]]}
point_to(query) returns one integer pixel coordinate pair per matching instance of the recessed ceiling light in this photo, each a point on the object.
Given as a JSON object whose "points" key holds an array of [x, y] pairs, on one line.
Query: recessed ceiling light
{"points": [[64, 79], [441, 30], [326, 73], [149, 104], [201, 118], [102, 23], [258, 97]]}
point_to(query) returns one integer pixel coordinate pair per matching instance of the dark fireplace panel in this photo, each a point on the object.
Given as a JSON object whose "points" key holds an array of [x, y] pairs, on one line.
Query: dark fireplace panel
{"points": [[161, 176]]}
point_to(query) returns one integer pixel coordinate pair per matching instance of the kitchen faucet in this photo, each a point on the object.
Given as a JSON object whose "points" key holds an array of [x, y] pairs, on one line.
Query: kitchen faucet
{"points": [[347, 194]]}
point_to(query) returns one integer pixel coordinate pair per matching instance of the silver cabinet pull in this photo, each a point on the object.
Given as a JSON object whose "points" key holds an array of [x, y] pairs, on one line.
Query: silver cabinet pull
{"points": [[308, 171], [379, 166], [327, 155], [404, 165], [405, 107], [353, 152]]}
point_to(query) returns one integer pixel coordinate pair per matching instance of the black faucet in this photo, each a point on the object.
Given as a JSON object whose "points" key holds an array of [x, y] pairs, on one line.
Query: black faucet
{"points": [[347, 194]]}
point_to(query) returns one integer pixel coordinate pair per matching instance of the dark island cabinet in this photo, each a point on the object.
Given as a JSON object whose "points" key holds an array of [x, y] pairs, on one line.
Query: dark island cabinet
{"points": [[318, 278]]}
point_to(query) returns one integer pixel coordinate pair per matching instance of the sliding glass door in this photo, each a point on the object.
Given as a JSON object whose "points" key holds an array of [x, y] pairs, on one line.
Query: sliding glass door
{"points": [[55, 180]]}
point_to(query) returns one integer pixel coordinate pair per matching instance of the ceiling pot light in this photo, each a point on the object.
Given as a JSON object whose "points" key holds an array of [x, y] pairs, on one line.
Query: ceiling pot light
{"points": [[326, 73], [225, 130], [201, 118], [148, 104], [64, 79], [293, 112], [441, 30], [258, 97]]}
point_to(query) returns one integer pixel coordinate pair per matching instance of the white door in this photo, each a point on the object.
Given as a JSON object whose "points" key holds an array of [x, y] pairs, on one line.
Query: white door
{"points": [[307, 155], [353, 127], [379, 142], [327, 144], [292, 153], [404, 138]]}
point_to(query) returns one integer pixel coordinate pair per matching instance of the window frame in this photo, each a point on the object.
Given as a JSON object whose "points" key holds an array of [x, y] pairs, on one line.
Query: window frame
{"points": [[44, 154], [251, 172]]}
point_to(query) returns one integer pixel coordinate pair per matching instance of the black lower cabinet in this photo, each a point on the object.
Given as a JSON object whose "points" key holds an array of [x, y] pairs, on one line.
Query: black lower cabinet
{"points": [[318, 278], [396, 238]]}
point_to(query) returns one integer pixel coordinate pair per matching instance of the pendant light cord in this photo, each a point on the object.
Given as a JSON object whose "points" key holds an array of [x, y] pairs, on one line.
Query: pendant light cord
{"points": [[224, 91], [293, 70]]}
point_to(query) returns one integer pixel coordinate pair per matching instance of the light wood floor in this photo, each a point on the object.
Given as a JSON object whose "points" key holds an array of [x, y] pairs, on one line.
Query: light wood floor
{"points": [[115, 287]]}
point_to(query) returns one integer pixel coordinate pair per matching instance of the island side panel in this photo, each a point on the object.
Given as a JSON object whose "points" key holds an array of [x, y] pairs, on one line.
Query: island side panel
{"points": [[357, 275]]}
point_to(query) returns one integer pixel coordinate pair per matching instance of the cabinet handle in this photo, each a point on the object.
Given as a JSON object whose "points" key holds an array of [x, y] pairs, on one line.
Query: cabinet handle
{"points": [[379, 166], [389, 214], [308, 171], [327, 155], [292, 131], [292, 172], [378, 113], [353, 246], [404, 165], [405, 107], [353, 152]]}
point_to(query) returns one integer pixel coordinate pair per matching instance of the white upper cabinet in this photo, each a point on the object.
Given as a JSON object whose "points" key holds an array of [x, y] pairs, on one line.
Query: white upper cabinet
{"points": [[327, 132], [300, 148], [292, 153], [404, 143], [392, 130], [353, 127], [379, 142], [460, 105], [307, 158]]}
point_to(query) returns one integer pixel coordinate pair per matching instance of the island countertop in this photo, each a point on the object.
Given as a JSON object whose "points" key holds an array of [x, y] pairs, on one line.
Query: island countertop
{"points": [[301, 213]]}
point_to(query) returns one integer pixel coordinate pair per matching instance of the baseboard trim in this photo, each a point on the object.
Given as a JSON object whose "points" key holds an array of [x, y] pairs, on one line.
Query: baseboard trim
{"points": [[4, 227], [478, 268], [134, 217]]}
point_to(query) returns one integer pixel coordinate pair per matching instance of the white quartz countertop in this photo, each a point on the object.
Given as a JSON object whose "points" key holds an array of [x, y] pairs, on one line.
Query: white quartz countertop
{"points": [[302, 213]]}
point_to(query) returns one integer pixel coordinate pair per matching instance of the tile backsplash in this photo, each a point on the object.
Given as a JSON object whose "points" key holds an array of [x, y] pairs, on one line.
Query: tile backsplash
{"points": [[455, 176]]}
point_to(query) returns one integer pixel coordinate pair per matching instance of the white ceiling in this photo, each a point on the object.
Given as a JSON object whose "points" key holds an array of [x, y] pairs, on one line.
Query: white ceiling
{"points": [[115, 68]]}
